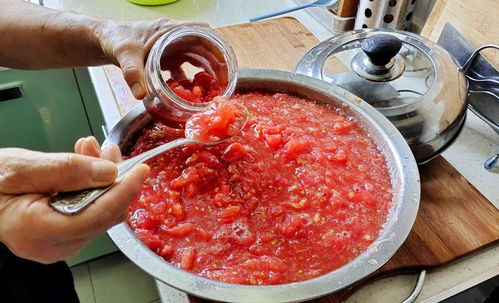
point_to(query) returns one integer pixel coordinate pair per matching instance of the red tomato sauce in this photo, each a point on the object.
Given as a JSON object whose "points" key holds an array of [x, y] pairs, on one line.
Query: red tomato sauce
{"points": [[221, 120], [301, 191], [203, 88]]}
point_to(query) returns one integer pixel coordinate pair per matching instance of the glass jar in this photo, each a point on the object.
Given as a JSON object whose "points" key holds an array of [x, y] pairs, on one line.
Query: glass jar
{"points": [[161, 101]]}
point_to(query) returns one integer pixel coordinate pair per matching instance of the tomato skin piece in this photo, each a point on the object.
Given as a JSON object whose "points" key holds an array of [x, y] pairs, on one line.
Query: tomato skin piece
{"points": [[225, 275], [188, 258], [150, 240], [229, 213], [177, 211], [141, 219], [290, 225], [203, 88], [234, 152], [294, 147], [203, 234], [180, 230], [265, 263], [165, 251], [204, 157], [259, 249], [193, 175], [273, 141], [221, 120]]}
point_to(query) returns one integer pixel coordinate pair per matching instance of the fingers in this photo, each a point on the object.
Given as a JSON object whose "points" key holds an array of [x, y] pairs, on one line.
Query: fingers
{"points": [[198, 52], [112, 153], [90, 147], [78, 145], [201, 61], [178, 74], [24, 171], [131, 62], [109, 209], [127, 44]]}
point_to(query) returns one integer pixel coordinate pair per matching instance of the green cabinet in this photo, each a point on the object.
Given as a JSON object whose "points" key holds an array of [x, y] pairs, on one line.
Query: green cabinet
{"points": [[48, 111], [49, 116]]}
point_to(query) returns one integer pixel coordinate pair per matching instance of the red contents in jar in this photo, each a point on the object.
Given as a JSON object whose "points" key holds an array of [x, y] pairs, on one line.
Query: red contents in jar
{"points": [[221, 120], [301, 191], [203, 88]]}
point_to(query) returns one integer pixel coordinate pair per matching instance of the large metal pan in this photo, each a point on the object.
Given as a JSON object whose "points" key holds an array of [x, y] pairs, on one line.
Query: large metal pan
{"points": [[403, 171]]}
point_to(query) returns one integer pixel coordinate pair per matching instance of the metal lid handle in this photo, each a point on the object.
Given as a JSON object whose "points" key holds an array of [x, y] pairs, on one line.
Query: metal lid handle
{"points": [[381, 48]]}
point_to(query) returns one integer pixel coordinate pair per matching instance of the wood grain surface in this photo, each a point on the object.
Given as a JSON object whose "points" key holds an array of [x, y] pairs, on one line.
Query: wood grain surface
{"points": [[476, 21], [454, 219], [347, 8]]}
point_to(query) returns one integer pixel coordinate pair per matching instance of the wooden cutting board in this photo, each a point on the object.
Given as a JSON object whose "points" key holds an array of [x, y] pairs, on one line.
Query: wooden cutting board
{"points": [[454, 219], [476, 21]]}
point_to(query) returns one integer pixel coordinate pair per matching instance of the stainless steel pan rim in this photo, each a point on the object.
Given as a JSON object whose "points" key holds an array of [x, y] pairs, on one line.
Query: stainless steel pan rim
{"points": [[404, 173]]}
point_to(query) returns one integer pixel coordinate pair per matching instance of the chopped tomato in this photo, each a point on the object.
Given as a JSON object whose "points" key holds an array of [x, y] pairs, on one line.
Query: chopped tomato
{"points": [[203, 88], [188, 258], [299, 192], [218, 122]]}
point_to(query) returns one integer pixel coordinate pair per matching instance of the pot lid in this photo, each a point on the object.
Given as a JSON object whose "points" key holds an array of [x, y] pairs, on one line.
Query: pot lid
{"points": [[414, 82], [385, 68]]}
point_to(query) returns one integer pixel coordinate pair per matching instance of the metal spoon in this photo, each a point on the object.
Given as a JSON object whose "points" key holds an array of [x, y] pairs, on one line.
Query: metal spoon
{"points": [[318, 3], [73, 202]]}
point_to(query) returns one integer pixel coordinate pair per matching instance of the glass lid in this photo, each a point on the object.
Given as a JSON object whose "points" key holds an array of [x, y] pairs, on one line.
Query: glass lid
{"points": [[385, 68]]}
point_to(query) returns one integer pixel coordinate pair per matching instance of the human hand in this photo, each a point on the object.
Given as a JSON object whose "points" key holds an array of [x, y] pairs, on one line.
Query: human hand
{"points": [[128, 44], [30, 228], [200, 53]]}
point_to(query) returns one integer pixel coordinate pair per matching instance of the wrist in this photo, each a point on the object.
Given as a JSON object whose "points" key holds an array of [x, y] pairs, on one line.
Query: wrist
{"points": [[96, 28], [103, 33], [80, 34]]}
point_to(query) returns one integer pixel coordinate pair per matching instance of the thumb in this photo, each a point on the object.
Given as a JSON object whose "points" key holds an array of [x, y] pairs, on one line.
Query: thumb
{"points": [[23, 171], [109, 209], [132, 66]]}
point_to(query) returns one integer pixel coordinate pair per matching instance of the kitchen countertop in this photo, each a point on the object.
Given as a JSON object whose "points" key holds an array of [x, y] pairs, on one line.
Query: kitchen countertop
{"points": [[476, 142]]}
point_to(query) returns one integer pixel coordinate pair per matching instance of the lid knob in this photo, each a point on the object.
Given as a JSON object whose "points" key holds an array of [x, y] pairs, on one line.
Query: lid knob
{"points": [[381, 48], [379, 61]]}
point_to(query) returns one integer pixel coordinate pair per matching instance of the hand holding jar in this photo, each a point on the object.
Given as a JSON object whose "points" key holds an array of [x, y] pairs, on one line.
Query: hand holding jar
{"points": [[182, 69]]}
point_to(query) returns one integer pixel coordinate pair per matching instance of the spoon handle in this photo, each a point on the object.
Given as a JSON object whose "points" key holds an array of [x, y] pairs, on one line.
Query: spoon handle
{"points": [[73, 202], [281, 12]]}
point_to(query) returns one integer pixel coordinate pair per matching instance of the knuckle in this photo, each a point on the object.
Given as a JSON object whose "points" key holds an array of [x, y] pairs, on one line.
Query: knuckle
{"points": [[129, 68], [122, 46], [8, 176], [68, 161], [161, 22], [11, 168], [70, 167]]}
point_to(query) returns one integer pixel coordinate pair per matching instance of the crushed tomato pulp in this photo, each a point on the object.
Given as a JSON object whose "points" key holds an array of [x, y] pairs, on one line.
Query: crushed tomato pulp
{"points": [[220, 121], [301, 191], [203, 88]]}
